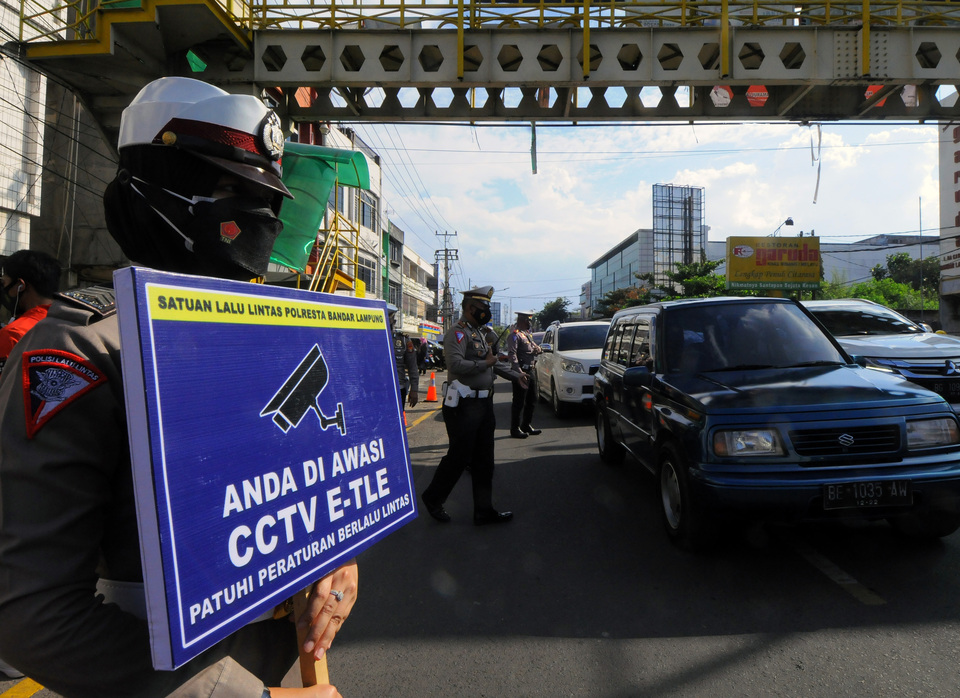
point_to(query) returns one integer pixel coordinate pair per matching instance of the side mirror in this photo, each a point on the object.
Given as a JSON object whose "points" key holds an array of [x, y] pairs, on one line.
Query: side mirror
{"points": [[636, 377], [546, 348], [925, 326]]}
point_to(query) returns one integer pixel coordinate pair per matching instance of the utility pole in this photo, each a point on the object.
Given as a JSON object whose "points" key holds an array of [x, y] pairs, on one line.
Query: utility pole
{"points": [[445, 256]]}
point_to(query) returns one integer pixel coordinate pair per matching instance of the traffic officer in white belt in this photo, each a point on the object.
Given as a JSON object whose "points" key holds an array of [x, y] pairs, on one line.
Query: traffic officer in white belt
{"points": [[521, 350], [468, 413]]}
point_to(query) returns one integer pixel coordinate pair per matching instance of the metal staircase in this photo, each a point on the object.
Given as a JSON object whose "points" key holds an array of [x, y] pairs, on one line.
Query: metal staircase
{"points": [[106, 50], [337, 259]]}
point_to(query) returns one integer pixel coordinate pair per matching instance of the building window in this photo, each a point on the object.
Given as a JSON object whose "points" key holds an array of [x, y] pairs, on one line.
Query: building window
{"points": [[396, 253], [368, 210], [395, 296], [367, 272], [338, 198]]}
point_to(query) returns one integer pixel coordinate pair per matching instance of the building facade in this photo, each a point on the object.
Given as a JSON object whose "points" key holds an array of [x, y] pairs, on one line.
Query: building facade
{"points": [[843, 263], [419, 296], [617, 268]]}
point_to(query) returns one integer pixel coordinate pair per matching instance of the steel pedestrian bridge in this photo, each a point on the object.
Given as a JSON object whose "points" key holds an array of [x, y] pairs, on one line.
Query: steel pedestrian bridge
{"points": [[522, 60]]}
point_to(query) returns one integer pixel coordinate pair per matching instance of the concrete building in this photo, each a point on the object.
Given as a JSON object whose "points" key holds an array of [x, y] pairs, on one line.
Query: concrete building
{"points": [[54, 166], [419, 296], [362, 208], [21, 135]]}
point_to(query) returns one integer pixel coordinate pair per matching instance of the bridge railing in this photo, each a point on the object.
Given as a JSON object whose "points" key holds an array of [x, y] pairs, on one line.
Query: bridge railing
{"points": [[81, 20], [56, 20], [454, 14]]}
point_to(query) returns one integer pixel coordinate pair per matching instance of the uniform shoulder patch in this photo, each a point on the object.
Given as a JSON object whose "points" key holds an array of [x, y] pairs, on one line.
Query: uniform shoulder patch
{"points": [[459, 335], [98, 299], [52, 379]]}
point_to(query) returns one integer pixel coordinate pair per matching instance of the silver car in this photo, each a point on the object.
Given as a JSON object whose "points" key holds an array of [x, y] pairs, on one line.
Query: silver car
{"points": [[886, 340]]}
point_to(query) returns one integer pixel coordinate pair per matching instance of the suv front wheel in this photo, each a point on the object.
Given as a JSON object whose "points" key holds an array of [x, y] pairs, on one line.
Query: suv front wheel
{"points": [[683, 519]]}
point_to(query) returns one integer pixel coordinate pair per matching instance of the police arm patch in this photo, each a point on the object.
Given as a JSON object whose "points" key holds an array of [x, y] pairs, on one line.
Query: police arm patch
{"points": [[459, 335], [52, 379]]}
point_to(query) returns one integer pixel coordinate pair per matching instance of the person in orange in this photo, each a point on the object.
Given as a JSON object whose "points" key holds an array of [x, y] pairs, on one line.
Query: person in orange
{"points": [[28, 282]]}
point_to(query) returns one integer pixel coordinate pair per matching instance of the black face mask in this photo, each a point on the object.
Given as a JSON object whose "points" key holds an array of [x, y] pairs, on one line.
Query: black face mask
{"points": [[238, 231], [228, 238], [481, 315]]}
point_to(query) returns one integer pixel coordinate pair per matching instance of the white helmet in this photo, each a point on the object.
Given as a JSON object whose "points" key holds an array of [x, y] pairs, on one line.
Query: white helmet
{"points": [[236, 133]]}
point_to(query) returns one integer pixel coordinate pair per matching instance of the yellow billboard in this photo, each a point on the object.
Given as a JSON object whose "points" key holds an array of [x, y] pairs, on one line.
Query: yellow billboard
{"points": [[773, 263]]}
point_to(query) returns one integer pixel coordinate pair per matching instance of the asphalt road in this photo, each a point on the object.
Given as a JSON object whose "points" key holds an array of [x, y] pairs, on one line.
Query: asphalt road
{"points": [[582, 595]]}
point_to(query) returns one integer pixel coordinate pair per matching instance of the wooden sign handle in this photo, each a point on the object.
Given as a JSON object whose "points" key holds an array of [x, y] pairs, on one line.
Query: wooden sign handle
{"points": [[312, 672]]}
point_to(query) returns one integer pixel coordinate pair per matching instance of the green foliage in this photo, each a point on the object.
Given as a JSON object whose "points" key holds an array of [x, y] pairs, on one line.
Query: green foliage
{"points": [[621, 298], [903, 269], [898, 285], [885, 291], [555, 310], [696, 280]]}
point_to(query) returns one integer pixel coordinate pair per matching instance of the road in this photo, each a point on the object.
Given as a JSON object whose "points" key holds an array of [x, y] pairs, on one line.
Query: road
{"points": [[582, 595]]}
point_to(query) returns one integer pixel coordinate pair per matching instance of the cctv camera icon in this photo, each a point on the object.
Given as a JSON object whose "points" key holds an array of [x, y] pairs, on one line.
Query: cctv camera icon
{"points": [[299, 395]]}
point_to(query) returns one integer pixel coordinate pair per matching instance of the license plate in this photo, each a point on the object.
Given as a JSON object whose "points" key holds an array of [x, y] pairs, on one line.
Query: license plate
{"points": [[856, 495], [949, 389]]}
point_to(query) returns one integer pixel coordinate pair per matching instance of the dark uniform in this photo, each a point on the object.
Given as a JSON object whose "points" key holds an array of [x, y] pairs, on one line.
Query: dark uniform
{"points": [[521, 350], [72, 605], [68, 528], [470, 424], [408, 377]]}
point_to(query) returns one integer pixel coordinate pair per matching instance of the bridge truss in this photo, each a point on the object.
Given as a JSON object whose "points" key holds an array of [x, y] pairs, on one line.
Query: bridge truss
{"points": [[445, 60]]}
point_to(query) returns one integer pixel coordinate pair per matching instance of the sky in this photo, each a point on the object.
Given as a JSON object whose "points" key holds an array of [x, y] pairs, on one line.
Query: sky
{"points": [[532, 236]]}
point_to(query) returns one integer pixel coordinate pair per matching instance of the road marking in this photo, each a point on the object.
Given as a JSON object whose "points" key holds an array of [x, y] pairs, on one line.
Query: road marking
{"points": [[838, 576], [23, 689], [428, 414]]}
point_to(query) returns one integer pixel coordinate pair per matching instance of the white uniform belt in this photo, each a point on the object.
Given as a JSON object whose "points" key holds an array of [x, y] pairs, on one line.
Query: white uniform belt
{"points": [[477, 393]]}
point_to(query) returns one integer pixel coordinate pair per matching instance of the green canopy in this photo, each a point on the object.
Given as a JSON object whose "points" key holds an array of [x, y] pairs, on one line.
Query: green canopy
{"points": [[310, 173]]}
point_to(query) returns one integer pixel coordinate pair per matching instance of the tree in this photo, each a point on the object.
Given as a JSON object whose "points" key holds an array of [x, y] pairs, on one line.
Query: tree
{"points": [[554, 311], [695, 280], [621, 298], [904, 269], [698, 279]]}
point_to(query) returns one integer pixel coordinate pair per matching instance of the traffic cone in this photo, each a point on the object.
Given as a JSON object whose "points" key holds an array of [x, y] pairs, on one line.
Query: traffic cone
{"points": [[432, 390]]}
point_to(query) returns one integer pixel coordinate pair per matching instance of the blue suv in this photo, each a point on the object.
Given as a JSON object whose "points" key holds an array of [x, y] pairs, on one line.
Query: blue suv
{"points": [[747, 407]]}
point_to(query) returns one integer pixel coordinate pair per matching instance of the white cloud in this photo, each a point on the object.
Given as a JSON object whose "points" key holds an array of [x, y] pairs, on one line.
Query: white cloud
{"points": [[536, 234]]}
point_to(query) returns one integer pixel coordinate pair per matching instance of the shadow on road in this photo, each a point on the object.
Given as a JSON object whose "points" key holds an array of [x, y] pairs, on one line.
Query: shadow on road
{"points": [[586, 557]]}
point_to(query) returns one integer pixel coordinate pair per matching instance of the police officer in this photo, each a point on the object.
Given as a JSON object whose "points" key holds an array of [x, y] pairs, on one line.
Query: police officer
{"points": [[72, 606], [405, 356], [468, 413], [521, 350]]}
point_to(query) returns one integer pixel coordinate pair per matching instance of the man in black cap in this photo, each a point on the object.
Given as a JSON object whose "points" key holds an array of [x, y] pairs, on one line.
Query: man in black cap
{"points": [[521, 350], [468, 413]]}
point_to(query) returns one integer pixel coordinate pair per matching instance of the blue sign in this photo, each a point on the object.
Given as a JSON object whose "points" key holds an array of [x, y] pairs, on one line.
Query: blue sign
{"points": [[267, 440]]}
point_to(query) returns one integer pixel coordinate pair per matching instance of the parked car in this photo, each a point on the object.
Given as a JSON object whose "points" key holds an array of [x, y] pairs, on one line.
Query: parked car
{"points": [[563, 373], [434, 357], [886, 340], [538, 337], [747, 408]]}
